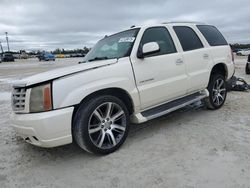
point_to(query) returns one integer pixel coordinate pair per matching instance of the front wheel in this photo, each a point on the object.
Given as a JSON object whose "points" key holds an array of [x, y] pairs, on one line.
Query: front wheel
{"points": [[217, 92], [101, 124]]}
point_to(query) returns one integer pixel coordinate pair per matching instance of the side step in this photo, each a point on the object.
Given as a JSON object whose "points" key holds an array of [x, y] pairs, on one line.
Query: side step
{"points": [[169, 107]]}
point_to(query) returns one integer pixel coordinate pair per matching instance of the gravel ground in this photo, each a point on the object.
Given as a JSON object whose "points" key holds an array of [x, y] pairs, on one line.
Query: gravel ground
{"points": [[192, 147]]}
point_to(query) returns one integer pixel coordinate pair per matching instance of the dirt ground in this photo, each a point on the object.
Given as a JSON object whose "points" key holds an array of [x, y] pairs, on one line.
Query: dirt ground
{"points": [[193, 147]]}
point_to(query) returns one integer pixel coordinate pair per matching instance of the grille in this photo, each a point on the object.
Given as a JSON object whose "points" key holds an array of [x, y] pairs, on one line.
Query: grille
{"points": [[18, 99]]}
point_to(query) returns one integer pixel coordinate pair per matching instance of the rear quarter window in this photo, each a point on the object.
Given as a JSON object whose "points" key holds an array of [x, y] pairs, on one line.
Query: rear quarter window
{"points": [[212, 35]]}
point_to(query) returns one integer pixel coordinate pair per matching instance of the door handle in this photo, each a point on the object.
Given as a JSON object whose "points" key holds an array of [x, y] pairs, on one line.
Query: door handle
{"points": [[179, 62], [205, 56]]}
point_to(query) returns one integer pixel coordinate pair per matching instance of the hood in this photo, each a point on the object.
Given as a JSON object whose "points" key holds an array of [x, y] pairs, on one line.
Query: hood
{"points": [[60, 72]]}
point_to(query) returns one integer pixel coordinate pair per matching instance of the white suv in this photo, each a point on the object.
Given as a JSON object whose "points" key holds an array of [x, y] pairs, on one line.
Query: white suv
{"points": [[132, 76]]}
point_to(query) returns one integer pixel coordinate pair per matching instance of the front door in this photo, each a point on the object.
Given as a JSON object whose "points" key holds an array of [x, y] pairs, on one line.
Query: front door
{"points": [[160, 77]]}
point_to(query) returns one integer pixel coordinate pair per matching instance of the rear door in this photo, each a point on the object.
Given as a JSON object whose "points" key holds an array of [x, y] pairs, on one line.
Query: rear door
{"points": [[161, 76], [196, 57], [218, 46]]}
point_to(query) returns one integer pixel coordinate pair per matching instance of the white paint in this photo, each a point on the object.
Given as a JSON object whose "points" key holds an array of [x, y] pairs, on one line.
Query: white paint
{"points": [[149, 81]]}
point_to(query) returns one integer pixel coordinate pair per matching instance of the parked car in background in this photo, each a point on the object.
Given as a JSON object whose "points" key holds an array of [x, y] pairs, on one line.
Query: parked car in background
{"points": [[46, 56], [133, 76], [243, 52], [23, 55], [77, 55], [16, 55], [73, 55], [235, 50], [60, 56], [248, 65], [80, 55], [8, 57]]}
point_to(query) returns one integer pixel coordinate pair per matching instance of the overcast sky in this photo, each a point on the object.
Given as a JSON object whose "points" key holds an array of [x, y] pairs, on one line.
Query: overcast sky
{"points": [[69, 24]]}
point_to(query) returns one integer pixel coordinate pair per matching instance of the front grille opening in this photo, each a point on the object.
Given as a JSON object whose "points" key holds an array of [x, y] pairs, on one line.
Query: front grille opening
{"points": [[31, 139], [18, 99], [27, 139]]}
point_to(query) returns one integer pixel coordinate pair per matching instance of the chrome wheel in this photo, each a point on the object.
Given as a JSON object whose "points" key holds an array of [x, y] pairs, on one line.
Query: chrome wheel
{"points": [[219, 92], [107, 125]]}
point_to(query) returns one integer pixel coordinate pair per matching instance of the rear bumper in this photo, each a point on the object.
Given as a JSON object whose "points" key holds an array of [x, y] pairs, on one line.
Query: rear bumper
{"points": [[46, 129]]}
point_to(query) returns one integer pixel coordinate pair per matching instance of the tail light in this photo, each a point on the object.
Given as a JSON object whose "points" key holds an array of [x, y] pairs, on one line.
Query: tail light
{"points": [[232, 54]]}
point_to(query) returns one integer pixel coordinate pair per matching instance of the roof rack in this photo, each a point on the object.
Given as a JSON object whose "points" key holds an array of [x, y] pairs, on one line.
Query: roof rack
{"points": [[193, 22]]}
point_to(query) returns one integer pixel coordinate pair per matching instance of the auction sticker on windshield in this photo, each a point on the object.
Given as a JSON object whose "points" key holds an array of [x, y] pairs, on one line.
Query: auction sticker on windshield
{"points": [[127, 39]]}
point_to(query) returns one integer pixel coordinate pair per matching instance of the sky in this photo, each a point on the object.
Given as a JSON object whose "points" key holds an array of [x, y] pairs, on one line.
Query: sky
{"points": [[71, 24]]}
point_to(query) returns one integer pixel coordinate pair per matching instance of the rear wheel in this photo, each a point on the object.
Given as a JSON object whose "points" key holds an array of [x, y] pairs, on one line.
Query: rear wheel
{"points": [[217, 92], [101, 125]]}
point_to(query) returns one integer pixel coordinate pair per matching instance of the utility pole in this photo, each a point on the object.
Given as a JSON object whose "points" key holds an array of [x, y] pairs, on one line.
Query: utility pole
{"points": [[7, 39], [1, 47]]}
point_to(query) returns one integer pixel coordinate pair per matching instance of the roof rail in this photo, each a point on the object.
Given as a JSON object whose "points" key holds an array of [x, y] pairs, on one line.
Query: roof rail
{"points": [[193, 22]]}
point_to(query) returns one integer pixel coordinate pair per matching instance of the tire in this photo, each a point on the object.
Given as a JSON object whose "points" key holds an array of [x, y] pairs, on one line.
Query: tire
{"points": [[101, 124], [217, 92], [248, 68]]}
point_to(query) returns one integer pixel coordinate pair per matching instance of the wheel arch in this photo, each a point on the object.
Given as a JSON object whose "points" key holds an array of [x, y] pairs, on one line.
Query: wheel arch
{"points": [[116, 92], [220, 68]]}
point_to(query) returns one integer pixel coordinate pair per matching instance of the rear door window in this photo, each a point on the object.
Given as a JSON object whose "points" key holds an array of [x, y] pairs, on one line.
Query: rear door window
{"points": [[212, 35], [188, 38]]}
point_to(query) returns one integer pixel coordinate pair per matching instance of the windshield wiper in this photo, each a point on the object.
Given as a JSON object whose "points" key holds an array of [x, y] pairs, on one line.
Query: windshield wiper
{"points": [[97, 58]]}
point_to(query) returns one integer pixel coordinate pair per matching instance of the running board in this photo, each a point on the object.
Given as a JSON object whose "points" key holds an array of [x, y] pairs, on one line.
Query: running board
{"points": [[169, 107]]}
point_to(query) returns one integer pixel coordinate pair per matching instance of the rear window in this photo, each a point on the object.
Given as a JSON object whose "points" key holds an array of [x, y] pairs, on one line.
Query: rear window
{"points": [[188, 38], [212, 35]]}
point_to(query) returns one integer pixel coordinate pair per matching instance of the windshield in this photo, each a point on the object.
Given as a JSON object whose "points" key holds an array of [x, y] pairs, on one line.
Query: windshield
{"points": [[114, 46]]}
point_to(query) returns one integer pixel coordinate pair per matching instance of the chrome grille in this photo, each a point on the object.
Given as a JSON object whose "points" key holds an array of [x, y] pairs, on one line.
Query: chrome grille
{"points": [[18, 99]]}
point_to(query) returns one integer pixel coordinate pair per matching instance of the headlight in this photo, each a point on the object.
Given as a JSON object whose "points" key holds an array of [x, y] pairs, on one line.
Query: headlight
{"points": [[41, 98]]}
